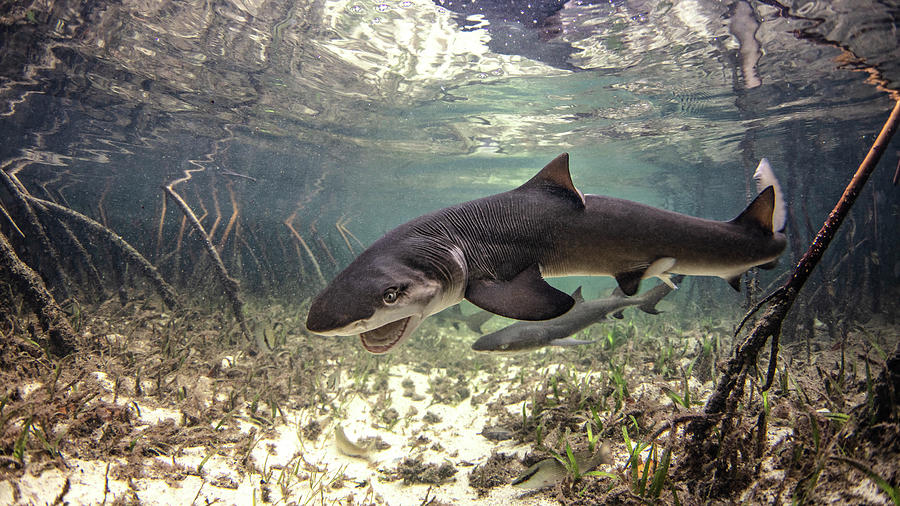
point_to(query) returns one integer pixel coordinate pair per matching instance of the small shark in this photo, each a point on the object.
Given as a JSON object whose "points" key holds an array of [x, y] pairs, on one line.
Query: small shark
{"points": [[453, 315], [496, 251], [524, 336]]}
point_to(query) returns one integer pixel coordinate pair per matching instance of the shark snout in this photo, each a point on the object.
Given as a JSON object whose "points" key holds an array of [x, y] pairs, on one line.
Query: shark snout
{"points": [[335, 319]]}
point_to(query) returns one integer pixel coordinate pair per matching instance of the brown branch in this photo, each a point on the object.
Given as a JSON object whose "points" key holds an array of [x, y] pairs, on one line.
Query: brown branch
{"points": [[770, 324], [52, 319]]}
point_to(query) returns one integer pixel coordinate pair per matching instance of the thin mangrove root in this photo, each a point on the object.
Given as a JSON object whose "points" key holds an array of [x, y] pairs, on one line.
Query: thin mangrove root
{"points": [[101, 211], [315, 233], [756, 308], [770, 324], [216, 208], [348, 232], [128, 252], [52, 319], [289, 224], [339, 226], [235, 212], [180, 238], [21, 196], [79, 250], [11, 221], [159, 229], [229, 284]]}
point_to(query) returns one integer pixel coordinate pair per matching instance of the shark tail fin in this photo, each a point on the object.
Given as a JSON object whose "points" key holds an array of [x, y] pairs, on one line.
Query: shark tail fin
{"points": [[765, 177], [656, 294], [477, 319]]}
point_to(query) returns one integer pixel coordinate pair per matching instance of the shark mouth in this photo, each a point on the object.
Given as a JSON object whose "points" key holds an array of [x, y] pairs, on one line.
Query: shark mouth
{"points": [[382, 339]]}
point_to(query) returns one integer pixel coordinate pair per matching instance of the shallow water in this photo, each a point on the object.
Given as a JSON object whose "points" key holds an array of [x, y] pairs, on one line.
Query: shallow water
{"points": [[309, 129]]}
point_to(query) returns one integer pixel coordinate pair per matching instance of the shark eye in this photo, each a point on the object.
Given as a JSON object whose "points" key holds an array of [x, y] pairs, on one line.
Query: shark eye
{"points": [[390, 295]]}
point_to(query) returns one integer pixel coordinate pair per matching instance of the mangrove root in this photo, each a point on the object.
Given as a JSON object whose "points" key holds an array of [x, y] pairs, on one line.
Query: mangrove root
{"points": [[53, 320], [130, 254], [770, 324], [229, 284]]}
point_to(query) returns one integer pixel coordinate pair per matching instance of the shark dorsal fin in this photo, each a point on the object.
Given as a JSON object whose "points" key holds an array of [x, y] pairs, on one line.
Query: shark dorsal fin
{"points": [[577, 295], [556, 174], [759, 213]]}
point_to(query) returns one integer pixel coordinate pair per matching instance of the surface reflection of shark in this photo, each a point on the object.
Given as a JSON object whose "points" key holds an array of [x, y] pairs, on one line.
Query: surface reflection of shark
{"points": [[528, 335], [518, 27]]}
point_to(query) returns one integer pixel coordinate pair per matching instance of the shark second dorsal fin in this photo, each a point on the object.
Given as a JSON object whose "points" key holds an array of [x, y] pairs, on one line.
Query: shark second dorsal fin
{"points": [[759, 213], [556, 174], [524, 297], [577, 295]]}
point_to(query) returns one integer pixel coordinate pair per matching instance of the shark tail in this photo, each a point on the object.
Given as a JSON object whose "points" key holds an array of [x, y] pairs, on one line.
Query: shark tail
{"points": [[477, 319], [765, 177], [650, 299]]}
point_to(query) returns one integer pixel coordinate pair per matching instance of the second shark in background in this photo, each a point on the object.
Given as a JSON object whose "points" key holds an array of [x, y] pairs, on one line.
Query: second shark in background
{"points": [[525, 335]]}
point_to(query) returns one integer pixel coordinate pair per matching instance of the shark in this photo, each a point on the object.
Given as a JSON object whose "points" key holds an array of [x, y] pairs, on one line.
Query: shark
{"points": [[531, 335], [496, 252]]}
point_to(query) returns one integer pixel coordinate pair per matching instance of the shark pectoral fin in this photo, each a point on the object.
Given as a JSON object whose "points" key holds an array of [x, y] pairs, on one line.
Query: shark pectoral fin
{"points": [[629, 281], [759, 214], [525, 297], [569, 341], [735, 282]]}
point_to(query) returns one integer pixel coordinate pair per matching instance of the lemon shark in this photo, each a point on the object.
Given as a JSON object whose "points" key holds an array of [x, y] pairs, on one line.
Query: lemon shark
{"points": [[497, 250]]}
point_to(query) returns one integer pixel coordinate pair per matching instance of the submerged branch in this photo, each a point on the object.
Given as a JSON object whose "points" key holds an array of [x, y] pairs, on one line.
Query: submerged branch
{"points": [[52, 319], [770, 324], [131, 255], [230, 284]]}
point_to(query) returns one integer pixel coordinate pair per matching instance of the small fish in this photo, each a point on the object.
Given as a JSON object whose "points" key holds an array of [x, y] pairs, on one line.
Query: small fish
{"points": [[348, 447], [549, 472]]}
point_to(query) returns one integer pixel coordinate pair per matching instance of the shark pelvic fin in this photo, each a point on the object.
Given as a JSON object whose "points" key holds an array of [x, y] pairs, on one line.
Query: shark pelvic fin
{"points": [[630, 281], [759, 213], [556, 175], [524, 297], [735, 282]]}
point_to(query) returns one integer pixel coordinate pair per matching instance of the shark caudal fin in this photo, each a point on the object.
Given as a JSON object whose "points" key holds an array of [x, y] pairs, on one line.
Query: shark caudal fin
{"points": [[767, 211], [650, 299], [765, 177]]}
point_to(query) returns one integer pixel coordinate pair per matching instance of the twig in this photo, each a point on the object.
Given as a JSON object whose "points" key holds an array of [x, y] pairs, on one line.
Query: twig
{"points": [[770, 324]]}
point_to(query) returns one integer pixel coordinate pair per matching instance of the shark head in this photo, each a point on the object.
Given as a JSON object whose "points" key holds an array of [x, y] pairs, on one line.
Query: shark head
{"points": [[383, 296]]}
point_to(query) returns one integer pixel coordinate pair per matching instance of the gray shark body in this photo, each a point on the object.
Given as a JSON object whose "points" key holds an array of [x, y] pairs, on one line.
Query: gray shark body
{"points": [[531, 335], [496, 251]]}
